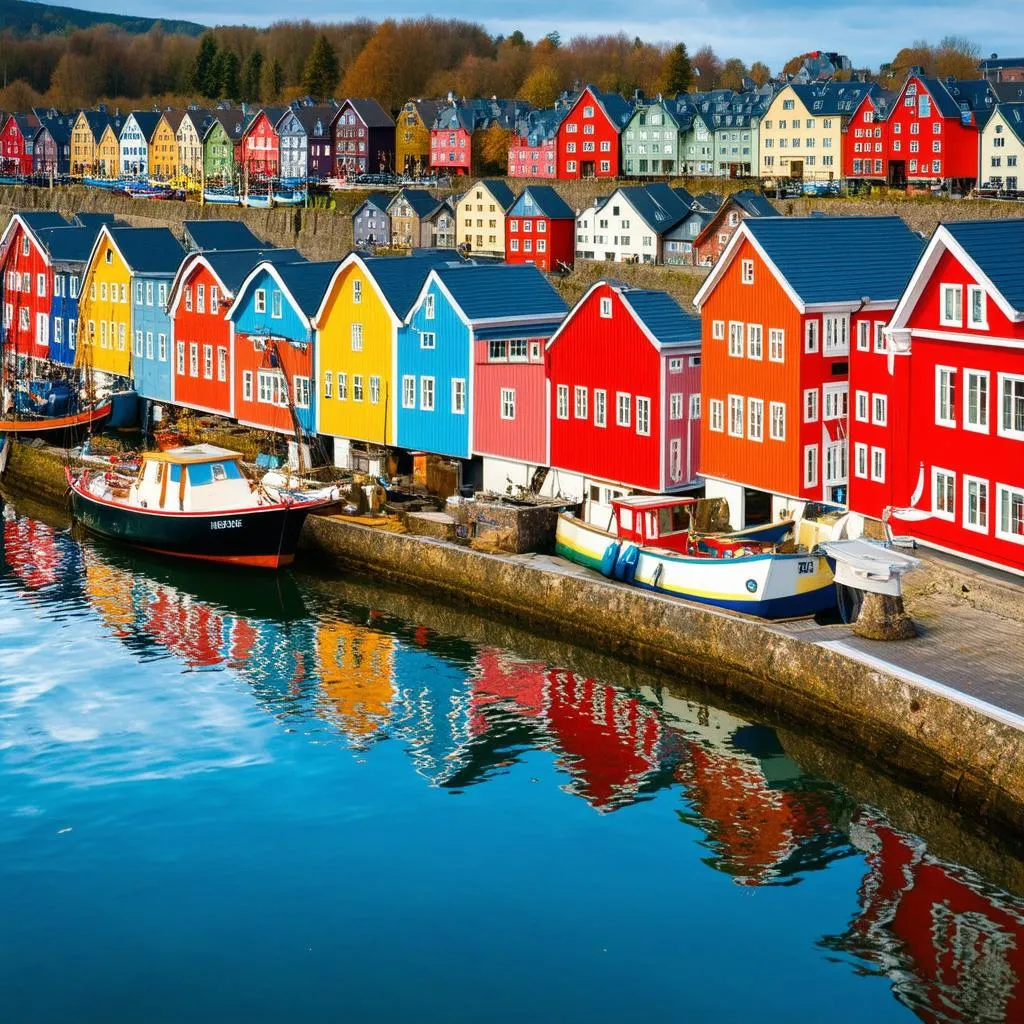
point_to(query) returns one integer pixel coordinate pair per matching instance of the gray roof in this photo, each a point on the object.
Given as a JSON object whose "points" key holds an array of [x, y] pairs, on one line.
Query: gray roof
{"points": [[498, 291], [836, 99], [616, 109], [221, 234], [753, 203], [233, 266], [370, 112], [400, 278], [659, 206], [148, 250], [546, 201], [307, 282], [1013, 115], [995, 245], [422, 202], [378, 200]]}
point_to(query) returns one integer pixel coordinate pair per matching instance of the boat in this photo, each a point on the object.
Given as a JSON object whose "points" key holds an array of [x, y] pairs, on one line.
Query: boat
{"points": [[295, 198], [257, 202], [193, 503], [57, 428], [286, 486], [215, 198]]}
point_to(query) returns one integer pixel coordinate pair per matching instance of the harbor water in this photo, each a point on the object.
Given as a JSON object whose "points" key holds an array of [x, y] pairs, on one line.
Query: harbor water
{"points": [[239, 796]]}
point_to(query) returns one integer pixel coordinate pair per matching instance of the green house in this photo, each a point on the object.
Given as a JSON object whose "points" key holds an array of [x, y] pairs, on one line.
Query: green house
{"points": [[222, 132], [651, 138]]}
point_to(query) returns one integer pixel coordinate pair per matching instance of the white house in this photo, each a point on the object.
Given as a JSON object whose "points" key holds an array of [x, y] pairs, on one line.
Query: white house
{"points": [[136, 134]]}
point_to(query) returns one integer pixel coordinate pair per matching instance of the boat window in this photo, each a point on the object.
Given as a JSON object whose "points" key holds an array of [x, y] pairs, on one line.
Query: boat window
{"points": [[219, 473], [674, 519], [626, 518]]}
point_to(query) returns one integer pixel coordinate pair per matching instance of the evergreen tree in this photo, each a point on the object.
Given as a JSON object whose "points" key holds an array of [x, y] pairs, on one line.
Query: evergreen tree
{"points": [[678, 72], [227, 68], [205, 79], [271, 81], [251, 77], [320, 75]]}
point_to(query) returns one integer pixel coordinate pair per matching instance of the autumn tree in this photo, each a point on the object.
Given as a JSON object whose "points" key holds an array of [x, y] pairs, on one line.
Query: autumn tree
{"points": [[707, 67], [677, 71], [541, 87], [733, 73], [956, 57], [760, 73], [492, 154], [320, 75], [205, 78]]}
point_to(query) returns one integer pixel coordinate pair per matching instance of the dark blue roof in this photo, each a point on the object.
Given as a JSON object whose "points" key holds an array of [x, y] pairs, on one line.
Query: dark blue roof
{"points": [[840, 259], [95, 221], [422, 202], [616, 109], [147, 120], [39, 220], [400, 278], [68, 245], [1013, 115], [148, 250], [667, 321], [97, 120], [542, 199], [995, 245], [753, 203], [501, 191], [658, 205], [222, 234], [835, 98], [378, 200], [502, 291], [307, 282], [534, 329], [233, 266]]}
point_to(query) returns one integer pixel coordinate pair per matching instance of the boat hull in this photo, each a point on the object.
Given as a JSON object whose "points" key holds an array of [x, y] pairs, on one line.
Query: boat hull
{"points": [[586, 545], [58, 428], [265, 537]]}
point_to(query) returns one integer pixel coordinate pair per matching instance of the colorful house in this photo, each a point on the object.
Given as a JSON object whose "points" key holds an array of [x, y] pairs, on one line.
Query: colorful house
{"points": [[480, 217], [728, 124], [533, 151], [261, 145], [18, 143], [436, 347], [371, 225], [1002, 148], [588, 135], [412, 137], [938, 399], [108, 153], [624, 407], [418, 220], [201, 293], [779, 311], [307, 141], [455, 137], [86, 133], [652, 140], [358, 322], [28, 283], [189, 137], [134, 142], [164, 154], [51, 152], [364, 138], [865, 145], [222, 145], [540, 228], [709, 245], [273, 340]]}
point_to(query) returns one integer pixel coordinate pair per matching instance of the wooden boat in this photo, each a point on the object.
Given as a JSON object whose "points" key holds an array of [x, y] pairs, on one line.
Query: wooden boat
{"points": [[214, 198], [192, 503], [257, 202], [289, 198], [57, 428]]}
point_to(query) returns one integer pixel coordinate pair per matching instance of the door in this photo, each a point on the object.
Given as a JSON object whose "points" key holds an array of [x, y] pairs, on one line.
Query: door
{"points": [[587, 168], [898, 173], [796, 168]]}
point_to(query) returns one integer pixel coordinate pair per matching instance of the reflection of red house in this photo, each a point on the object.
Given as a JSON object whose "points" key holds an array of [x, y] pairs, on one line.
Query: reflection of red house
{"points": [[190, 629], [504, 680], [30, 550]]}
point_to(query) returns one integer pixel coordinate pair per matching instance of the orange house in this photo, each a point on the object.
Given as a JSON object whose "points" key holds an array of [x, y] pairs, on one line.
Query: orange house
{"points": [[779, 316]]}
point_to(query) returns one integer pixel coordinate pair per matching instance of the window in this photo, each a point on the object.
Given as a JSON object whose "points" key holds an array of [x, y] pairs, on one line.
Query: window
{"points": [[880, 345], [776, 345], [810, 465], [103, 329], [302, 392], [951, 309], [811, 336], [943, 493], [600, 408], [643, 416], [1011, 406], [777, 425], [357, 292], [207, 361], [181, 353], [563, 401], [408, 391], [755, 341], [811, 405], [747, 271], [606, 308], [735, 339], [755, 419], [103, 290], [246, 375], [864, 336], [878, 465], [735, 416], [623, 408], [695, 407], [328, 384], [1010, 525], [149, 293], [860, 460], [138, 344], [976, 312], [374, 390], [188, 297], [508, 403], [517, 351], [880, 410], [271, 388], [193, 359], [428, 339], [260, 301], [580, 399], [458, 396], [428, 306], [717, 330], [837, 336], [513, 245], [675, 406], [975, 504], [675, 459], [222, 363], [357, 388], [426, 394], [214, 298], [200, 298], [716, 413], [945, 396], [41, 285], [976, 401], [275, 305]]}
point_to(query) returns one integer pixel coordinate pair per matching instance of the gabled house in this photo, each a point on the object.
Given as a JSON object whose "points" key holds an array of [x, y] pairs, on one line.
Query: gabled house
{"points": [[631, 225], [51, 152], [710, 243], [307, 141], [1002, 148], [624, 396], [261, 145], [18, 143], [533, 151], [273, 337], [108, 153], [164, 154], [679, 239], [134, 140], [412, 137], [436, 345], [938, 399], [780, 316], [457, 133], [190, 142], [86, 133], [865, 144], [208, 235], [223, 139], [364, 138], [724, 135], [588, 135], [371, 225], [652, 141], [480, 217], [418, 220], [201, 293], [539, 229]]}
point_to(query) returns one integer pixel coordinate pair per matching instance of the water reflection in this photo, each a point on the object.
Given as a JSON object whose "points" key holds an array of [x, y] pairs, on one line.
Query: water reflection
{"points": [[464, 713]]}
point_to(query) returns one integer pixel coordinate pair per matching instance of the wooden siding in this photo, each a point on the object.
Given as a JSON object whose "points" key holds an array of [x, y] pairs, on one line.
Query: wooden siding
{"points": [[412, 142], [64, 309], [558, 238], [480, 221], [151, 337], [205, 330], [101, 282], [83, 148], [580, 164], [524, 438], [685, 430], [17, 155], [260, 147], [23, 334], [164, 157], [108, 162]]}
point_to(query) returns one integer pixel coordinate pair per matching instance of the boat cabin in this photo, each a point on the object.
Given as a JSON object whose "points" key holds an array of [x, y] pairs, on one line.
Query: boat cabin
{"points": [[654, 520], [198, 478]]}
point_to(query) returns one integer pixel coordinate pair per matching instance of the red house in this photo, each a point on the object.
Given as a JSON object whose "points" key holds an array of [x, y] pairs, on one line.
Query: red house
{"points": [[588, 135], [200, 297], [624, 395], [938, 417], [261, 145], [27, 283], [17, 142], [779, 311], [934, 131], [462, 122], [540, 228], [866, 140]]}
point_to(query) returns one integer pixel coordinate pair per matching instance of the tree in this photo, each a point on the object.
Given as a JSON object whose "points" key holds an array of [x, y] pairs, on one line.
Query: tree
{"points": [[227, 74], [554, 38], [517, 39], [541, 87], [707, 67], [677, 71], [956, 56], [733, 73], [271, 81], [251, 77], [492, 152], [320, 75], [204, 71], [760, 72]]}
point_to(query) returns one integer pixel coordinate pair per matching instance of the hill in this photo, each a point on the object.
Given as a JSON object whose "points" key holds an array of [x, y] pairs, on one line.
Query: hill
{"points": [[24, 18]]}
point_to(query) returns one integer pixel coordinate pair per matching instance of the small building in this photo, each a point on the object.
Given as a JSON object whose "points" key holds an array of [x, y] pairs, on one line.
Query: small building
{"points": [[419, 220], [539, 229], [223, 138], [652, 141], [624, 409], [164, 154], [480, 217], [208, 235], [307, 141], [679, 239], [261, 146], [364, 138], [865, 145], [456, 136], [412, 137], [709, 245], [371, 225], [108, 153], [190, 142], [52, 149], [1002, 69], [18, 142], [86, 132], [588, 135], [1002, 148], [533, 151], [134, 143]]}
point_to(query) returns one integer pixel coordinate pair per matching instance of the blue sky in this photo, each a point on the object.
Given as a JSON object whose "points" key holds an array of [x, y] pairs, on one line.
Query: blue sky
{"points": [[870, 31]]}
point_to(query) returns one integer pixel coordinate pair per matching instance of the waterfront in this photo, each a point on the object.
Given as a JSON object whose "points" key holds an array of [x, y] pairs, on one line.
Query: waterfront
{"points": [[286, 797]]}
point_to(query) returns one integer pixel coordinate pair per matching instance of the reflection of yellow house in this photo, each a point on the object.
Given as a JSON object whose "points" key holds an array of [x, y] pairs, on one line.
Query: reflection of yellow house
{"points": [[109, 153], [356, 676], [356, 350], [108, 590], [105, 308], [164, 160]]}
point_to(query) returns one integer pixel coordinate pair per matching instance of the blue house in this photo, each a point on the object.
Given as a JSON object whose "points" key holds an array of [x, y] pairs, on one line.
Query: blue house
{"points": [[435, 346]]}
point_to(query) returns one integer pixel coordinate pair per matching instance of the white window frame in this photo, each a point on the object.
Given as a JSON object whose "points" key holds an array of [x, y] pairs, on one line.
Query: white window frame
{"points": [[810, 465], [860, 460], [1013, 538], [580, 401], [811, 336], [716, 415], [717, 330], [776, 345], [605, 309], [810, 405], [429, 306], [880, 409], [508, 403], [408, 390], [1010, 432], [746, 271], [426, 406], [755, 419], [970, 482], [954, 290], [878, 457], [675, 405], [937, 472], [862, 406], [735, 415], [980, 425], [623, 408], [562, 401], [836, 334], [863, 335], [980, 324], [944, 395], [736, 339], [777, 414], [643, 416], [600, 407], [755, 341], [246, 378], [341, 387], [259, 300], [458, 396]]}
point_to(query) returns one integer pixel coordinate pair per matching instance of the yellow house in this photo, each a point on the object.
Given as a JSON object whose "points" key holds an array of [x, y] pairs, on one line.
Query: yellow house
{"points": [[164, 159], [1002, 148], [105, 308], [356, 674], [190, 143], [801, 134], [480, 217], [108, 153]]}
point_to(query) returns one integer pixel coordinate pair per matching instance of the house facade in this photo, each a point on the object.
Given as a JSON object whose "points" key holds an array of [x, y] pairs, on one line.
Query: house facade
{"points": [[865, 146], [85, 139], [480, 217], [652, 140], [190, 142], [455, 136], [533, 151], [364, 138], [18, 143], [412, 137], [51, 154], [261, 145], [164, 154], [222, 144], [108, 153], [624, 396], [780, 317], [588, 135], [134, 141], [709, 245], [307, 141], [539, 229], [371, 225], [415, 217], [1002, 149]]}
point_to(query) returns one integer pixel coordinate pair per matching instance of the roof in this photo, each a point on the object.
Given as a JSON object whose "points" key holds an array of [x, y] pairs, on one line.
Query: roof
{"points": [[307, 282], [502, 291], [199, 118], [233, 266], [616, 109], [995, 246], [665, 320], [323, 114], [97, 121], [427, 110], [400, 278], [379, 200], [833, 98], [148, 250], [1009, 92], [1013, 115], [544, 200], [38, 220], [59, 128], [94, 220], [475, 114], [838, 259], [370, 112], [174, 119], [272, 114], [422, 202], [147, 120], [994, 63], [193, 454], [657, 205], [221, 234], [69, 244], [498, 188], [234, 122], [753, 204], [953, 98]]}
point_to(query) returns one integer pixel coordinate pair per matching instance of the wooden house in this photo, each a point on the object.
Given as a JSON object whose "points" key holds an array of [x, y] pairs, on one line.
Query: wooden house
{"points": [[364, 138], [190, 142], [460, 125], [480, 217], [371, 225], [624, 386], [416, 220], [710, 243], [865, 145], [779, 311], [86, 133], [18, 142], [51, 152], [307, 141], [108, 153], [539, 229], [136, 136], [938, 399], [1002, 146], [652, 140], [412, 137], [164, 153], [261, 145], [588, 135], [273, 338], [223, 138], [533, 150]]}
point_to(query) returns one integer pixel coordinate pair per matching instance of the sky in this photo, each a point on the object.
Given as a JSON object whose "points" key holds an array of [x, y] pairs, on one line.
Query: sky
{"points": [[869, 31]]}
